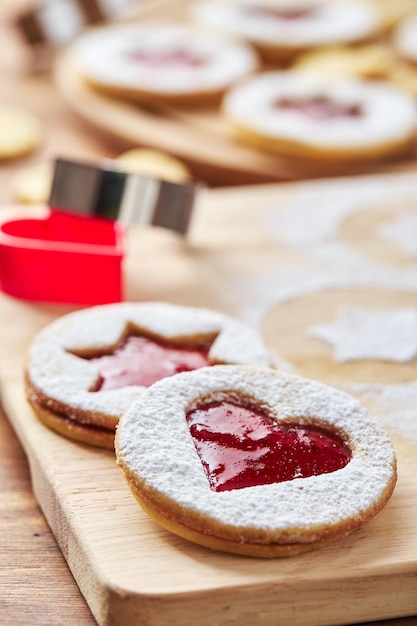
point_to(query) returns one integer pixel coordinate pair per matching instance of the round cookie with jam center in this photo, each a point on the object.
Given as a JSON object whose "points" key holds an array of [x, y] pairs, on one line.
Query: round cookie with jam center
{"points": [[253, 461], [281, 29], [300, 115], [162, 62], [86, 368]]}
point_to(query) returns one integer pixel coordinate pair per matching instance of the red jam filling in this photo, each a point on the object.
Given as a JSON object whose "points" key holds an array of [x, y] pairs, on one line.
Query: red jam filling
{"points": [[283, 13], [240, 447], [142, 361], [320, 108], [171, 58]]}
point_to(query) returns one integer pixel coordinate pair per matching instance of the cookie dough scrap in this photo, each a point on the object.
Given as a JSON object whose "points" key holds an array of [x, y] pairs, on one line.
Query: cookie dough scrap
{"points": [[20, 132]]}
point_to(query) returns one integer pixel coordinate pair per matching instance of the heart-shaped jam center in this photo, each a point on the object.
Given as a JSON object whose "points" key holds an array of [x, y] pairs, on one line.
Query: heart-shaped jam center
{"points": [[143, 361], [241, 447], [319, 108]]}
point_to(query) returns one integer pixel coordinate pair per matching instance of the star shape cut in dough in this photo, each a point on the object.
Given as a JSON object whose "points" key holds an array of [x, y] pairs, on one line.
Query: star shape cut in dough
{"points": [[357, 334]]}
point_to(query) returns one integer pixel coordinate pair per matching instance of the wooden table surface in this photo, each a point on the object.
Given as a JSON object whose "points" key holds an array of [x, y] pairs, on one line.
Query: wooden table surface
{"points": [[36, 587]]}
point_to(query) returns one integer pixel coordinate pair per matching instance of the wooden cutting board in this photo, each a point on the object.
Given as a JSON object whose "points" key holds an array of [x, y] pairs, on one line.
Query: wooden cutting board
{"points": [[133, 573]]}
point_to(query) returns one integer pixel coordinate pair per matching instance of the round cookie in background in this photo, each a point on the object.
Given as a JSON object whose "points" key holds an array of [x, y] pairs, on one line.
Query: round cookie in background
{"points": [[85, 368], [254, 461], [162, 62], [20, 132], [32, 185], [347, 335], [153, 163], [281, 29], [320, 119]]}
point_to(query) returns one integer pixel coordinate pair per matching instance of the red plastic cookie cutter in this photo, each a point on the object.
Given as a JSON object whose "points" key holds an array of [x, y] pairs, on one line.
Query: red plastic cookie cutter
{"points": [[62, 258], [74, 254]]}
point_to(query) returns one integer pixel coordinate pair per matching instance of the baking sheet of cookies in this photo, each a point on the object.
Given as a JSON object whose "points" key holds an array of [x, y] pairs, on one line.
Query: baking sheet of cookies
{"points": [[199, 136], [299, 261]]}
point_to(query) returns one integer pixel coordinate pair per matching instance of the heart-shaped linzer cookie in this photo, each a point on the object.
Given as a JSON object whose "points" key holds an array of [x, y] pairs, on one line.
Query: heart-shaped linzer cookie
{"points": [[243, 447], [254, 461]]}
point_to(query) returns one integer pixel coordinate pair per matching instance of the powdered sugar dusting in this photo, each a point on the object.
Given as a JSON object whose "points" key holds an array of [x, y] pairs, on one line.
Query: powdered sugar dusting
{"points": [[66, 378], [359, 334], [155, 428], [403, 233], [395, 405], [331, 263]]}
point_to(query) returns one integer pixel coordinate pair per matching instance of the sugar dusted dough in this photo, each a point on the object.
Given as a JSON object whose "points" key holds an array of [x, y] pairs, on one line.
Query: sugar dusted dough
{"points": [[162, 62], [59, 382], [382, 122], [159, 460]]}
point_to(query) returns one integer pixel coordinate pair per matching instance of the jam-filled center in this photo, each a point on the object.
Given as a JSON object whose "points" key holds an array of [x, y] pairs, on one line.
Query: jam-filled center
{"points": [[142, 361], [282, 13], [319, 108], [174, 58], [241, 447]]}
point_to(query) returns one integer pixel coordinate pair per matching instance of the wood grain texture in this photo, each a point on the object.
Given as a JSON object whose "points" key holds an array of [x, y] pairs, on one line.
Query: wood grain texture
{"points": [[35, 584]]}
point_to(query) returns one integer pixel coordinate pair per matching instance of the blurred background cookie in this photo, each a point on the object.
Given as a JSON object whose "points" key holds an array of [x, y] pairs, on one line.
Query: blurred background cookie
{"points": [[280, 29], [162, 62], [301, 115], [153, 163], [32, 185], [373, 61], [20, 132]]}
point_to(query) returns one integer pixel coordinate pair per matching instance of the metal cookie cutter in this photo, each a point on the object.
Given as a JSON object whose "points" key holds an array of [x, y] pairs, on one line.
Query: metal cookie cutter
{"points": [[56, 22], [127, 197]]}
